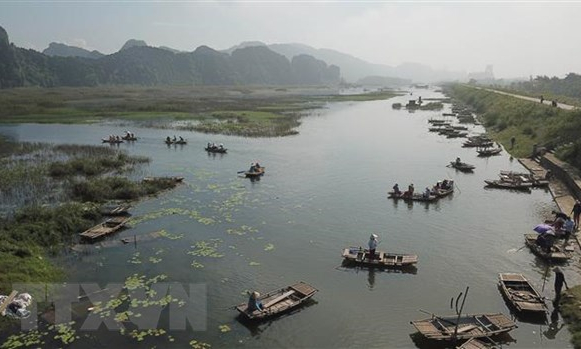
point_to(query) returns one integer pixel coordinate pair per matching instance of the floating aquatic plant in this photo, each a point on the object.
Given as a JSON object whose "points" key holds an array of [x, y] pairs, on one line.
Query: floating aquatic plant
{"points": [[196, 264], [224, 328], [206, 249], [194, 344], [135, 259], [23, 340], [253, 264], [268, 247]]}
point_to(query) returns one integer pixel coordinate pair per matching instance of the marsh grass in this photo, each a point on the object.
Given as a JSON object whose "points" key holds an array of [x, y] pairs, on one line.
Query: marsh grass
{"points": [[248, 111]]}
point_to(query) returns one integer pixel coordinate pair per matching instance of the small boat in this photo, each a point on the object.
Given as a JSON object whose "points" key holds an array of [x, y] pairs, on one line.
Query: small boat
{"points": [[515, 185], [440, 192], [215, 149], [279, 301], [129, 138], [462, 166], [161, 179], [108, 227], [556, 254], [256, 173], [524, 177], [117, 210], [175, 142], [360, 256], [521, 294], [414, 197], [488, 151], [473, 343], [466, 327], [112, 141]]}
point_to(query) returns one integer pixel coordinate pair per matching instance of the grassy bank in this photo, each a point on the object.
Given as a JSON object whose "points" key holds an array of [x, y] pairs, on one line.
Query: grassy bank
{"points": [[55, 193], [245, 111], [571, 312], [528, 122]]}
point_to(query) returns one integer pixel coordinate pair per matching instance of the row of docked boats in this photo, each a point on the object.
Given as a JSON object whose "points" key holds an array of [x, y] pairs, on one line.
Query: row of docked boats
{"points": [[521, 297], [516, 181]]}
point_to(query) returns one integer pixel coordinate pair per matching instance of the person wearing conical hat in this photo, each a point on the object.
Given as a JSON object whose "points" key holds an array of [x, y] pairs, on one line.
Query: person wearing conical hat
{"points": [[372, 245]]}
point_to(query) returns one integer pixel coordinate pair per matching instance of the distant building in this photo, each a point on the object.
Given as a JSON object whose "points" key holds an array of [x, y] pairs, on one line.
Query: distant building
{"points": [[485, 77]]}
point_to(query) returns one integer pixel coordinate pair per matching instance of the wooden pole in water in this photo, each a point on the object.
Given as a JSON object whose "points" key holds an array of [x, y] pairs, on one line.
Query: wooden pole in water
{"points": [[135, 240], [460, 311]]}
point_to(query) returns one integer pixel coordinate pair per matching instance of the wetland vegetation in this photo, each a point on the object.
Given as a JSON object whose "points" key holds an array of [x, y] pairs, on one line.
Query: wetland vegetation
{"points": [[244, 111]]}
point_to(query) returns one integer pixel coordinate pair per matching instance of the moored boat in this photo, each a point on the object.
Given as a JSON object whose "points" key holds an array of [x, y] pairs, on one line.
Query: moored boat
{"points": [[108, 227], [279, 301], [488, 151], [116, 210], [519, 292], [169, 179], [360, 256], [556, 254], [448, 328], [525, 186]]}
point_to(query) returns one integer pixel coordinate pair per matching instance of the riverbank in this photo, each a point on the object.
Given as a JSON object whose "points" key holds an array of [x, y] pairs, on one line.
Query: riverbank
{"points": [[242, 111]]}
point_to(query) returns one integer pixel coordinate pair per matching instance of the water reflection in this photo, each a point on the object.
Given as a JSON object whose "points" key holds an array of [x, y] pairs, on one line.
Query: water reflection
{"points": [[347, 266], [554, 326]]}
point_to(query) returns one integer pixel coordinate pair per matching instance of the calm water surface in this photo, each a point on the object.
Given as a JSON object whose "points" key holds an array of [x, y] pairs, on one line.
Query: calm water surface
{"points": [[324, 189]]}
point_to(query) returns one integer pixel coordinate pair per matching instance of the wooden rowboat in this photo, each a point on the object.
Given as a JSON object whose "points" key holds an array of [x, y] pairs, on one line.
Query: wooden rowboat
{"points": [[555, 255], [108, 227], [255, 173], [168, 179], [473, 344], [488, 151], [279, 301], [359, 256], [112, 141], [518, 291], [525, 186], [442, 328], [462, 166], [414, 197], [215, 150]]}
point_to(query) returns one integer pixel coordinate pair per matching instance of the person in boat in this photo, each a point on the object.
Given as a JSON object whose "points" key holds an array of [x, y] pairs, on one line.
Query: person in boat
{"points": [[174, 138], [257, 167], [426, 193], [458, 161], [372, 245], [168, 139], [182, 139], [254, 302], [560, 219], [576, 211], [559, 282], [542, 99], [396, 190], [252, 168], [545, 240], [411, 190], [209, 146], [444, 184], [118, 138], [221, 146]]}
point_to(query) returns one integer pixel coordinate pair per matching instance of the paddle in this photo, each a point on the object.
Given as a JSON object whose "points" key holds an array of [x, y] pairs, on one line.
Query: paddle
{"points": [[241, 171]]}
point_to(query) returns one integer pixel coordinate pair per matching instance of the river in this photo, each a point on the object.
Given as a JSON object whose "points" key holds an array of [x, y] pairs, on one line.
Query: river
{"points": [[324, 189]]}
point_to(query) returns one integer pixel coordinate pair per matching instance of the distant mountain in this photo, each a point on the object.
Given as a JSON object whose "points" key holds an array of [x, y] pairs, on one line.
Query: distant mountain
{"points": [[384, 81], [133, 43], [170, 49], [137, 63], [244, 45], [62, 50], [353, 68]]}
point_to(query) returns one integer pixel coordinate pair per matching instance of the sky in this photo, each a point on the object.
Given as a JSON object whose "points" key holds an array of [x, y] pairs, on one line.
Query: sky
{"points": [[519, 38]]}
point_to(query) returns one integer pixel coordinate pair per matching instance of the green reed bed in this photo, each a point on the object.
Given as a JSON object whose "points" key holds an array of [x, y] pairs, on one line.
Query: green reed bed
{"points": [[570, 307]]}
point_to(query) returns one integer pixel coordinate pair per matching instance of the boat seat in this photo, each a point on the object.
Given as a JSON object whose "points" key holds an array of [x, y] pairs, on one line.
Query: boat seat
{"points": [[466, 328], [279, 298]]}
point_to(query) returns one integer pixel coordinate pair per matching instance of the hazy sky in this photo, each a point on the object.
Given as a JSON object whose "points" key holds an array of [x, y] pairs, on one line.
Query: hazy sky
{"points": [[519, 38]]}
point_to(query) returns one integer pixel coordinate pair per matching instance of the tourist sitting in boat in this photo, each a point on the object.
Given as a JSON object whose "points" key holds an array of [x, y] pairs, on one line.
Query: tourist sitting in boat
{"points": [[427, 193], [458, 161], [181, 139], [257, 167], [445, 184], [560, 219], [546, 240], [396, 190], [168, 139], [254, 302], [221, 146], [118, 138], [410, 191], [175, 138], [372, 245], [567, 228], [209, 146], [252, 168]]}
